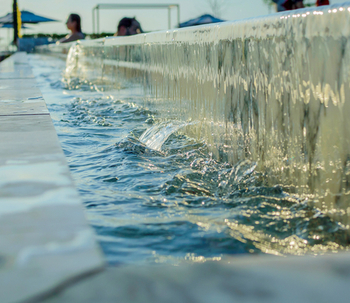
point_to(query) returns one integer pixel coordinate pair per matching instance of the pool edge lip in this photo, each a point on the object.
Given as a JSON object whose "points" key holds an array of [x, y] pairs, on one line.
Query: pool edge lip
{"points": [[45, 237], [249, 278]]}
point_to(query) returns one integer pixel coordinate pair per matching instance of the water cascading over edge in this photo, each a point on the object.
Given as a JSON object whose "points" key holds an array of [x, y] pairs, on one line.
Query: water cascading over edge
{"points": [[274, 90]]}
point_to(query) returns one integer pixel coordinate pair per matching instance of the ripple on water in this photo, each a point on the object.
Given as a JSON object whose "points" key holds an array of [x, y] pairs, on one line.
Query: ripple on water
{"points": [[155, 195]]}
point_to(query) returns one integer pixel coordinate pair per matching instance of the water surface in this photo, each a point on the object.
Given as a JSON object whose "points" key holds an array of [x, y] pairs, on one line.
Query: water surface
{"points": [[153, 194]]}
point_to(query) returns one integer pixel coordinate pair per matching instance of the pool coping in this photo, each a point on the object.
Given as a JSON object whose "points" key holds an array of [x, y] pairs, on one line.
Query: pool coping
{"points": [[45, 238], [233, 279]]}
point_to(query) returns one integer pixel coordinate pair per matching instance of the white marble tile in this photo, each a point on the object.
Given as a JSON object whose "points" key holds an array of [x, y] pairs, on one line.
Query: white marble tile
{"points": [[28, 138], [9, 84], [19, 103], [237, 279], [44, 237], [15, 72], [21, 97], [59, 217], [15, 67], [40, 269]]}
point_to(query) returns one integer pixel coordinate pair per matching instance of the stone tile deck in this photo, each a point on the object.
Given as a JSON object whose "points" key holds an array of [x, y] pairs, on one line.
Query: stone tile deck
{"points": [[44, 237], [253, 279]]}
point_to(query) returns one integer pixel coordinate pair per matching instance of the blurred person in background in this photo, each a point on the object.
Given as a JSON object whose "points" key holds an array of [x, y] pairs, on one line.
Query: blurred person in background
{"points": [[74, 25], [279, 5], [287, 5], [128, 26], [322, 2]]}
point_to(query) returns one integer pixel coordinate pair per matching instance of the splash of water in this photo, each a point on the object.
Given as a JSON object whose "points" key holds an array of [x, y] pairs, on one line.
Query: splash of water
{"points": [[71, 61], [156, 135]]}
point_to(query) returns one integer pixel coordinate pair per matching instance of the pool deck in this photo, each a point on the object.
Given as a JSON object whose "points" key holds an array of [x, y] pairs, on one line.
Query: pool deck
{"points": [[44, 237], [240, 279], [49, 252]]}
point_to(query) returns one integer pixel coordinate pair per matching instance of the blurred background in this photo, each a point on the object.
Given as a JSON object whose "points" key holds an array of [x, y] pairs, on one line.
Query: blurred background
{"points": [[151, 20]]}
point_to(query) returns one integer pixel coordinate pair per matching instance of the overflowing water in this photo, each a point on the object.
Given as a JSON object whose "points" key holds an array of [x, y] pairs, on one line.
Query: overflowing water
{"points": [[272, 90], [154, 194]]}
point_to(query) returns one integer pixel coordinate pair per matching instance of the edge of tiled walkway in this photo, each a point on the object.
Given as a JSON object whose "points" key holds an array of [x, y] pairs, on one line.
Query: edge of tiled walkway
{"points": [[44, 237]]}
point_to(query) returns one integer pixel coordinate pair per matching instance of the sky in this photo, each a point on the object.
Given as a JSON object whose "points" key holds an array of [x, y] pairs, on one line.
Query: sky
{"points": [[150, 19]]}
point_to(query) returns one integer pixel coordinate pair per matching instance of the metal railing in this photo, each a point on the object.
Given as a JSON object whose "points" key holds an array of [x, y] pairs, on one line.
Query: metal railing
{"points": [[96, 11]]}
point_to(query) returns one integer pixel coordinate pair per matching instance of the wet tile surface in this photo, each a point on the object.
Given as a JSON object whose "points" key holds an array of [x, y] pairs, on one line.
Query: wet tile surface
{"points": [[22, 105], [16, 67], [240, 279], [28, 139], [19, 96], [44, 237], [10, 84]]}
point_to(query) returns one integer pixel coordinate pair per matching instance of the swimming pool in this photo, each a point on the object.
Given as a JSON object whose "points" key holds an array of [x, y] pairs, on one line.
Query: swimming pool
{"points": [[154, 194]]}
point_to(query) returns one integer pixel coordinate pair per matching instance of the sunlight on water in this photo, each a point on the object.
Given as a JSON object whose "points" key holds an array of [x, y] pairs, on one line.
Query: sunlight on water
{"points": [[179, 203], [272, 90], [219, 139], [155, 136]]}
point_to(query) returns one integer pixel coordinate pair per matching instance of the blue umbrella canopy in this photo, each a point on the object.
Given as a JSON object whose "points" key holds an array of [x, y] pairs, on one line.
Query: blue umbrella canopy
{"points": [[204, 19], [26, 17], [10, 25]]}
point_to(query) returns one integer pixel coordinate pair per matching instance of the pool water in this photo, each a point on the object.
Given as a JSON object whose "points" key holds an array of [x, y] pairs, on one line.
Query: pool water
{"points": [[153, 195]]}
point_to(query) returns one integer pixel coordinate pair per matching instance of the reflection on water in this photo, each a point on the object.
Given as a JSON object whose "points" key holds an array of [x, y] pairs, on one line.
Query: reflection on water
{"points": [[155, 195]]}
